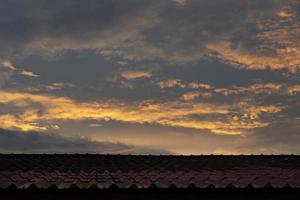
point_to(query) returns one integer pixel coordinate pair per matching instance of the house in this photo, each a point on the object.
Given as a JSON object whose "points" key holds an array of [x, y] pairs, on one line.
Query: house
{"points": [[78, 176]]}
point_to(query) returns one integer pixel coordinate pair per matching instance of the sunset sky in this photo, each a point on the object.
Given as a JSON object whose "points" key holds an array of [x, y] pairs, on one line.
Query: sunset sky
{"points": [[150, 77]]}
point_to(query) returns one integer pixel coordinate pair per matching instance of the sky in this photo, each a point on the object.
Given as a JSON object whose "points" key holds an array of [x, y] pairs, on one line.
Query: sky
{"points": [[150, 77]]}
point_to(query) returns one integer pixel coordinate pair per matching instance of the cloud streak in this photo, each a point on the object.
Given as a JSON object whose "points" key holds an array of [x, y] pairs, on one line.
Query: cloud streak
{"points": [[34, 110], [173, 83], [7, 64], [135, 74]]}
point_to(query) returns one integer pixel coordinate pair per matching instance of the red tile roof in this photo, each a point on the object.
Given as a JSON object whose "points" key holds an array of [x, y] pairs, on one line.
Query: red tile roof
{"points": [[127, 171]]}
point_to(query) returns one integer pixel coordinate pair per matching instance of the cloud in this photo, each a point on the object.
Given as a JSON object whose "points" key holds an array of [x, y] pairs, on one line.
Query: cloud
{"points": [[58, 86], [221, 67], [135, 74], [236, 93], [285, 58], [8, 65], [294, 89], [34, 142], [273, 45], [30, 74], [170, 83], [253, 35], [37, 112], [181, 3], [173, 83], [265, 89], [6, 71], [206, 90], [286, 14], [194, 95], [107, 27], [95, 125]]}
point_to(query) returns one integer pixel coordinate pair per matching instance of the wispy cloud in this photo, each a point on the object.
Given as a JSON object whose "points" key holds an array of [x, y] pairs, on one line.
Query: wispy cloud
{"points": [[193, 95], [135, 74], [206, 90], [172, 83], [30, 74], [58, 86], [261, 89], [7, 64]]}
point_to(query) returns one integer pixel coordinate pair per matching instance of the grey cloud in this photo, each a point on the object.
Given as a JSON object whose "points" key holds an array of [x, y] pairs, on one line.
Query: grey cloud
{"points": [[131, 29], [33, 142], [45, 24]]}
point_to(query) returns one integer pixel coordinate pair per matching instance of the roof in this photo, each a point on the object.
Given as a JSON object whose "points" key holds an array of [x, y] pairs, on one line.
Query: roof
{"points": [[128, 171]]}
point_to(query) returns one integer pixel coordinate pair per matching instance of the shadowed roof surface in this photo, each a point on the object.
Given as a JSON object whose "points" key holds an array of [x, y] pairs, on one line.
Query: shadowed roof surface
{"points": [[129, 171]]}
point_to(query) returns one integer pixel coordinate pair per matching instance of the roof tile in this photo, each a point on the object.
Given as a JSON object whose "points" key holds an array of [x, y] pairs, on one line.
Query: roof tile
{"points": [[108, 171]]}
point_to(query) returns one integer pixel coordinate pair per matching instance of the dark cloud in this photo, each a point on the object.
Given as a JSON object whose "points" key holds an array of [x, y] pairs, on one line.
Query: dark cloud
{"points": [[33, 142], [43, 25], [131, 29]]}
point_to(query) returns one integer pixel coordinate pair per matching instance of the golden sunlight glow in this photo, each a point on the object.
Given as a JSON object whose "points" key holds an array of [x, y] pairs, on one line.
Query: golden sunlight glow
{"points": [[175, 114]]}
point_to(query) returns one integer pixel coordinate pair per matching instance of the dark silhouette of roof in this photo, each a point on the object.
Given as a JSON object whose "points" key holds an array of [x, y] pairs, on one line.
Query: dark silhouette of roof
{"points": [[135, 171]]}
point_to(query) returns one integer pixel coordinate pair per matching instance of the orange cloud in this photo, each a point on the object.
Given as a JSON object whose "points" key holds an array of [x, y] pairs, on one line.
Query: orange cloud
{"points": [[171, 83], [294, 89], [194, 85], [277, 47], [129, 75], [10, 121], [57, 86], [30, 74], [261, 88], [256, 62], [175, 114], [193, 95], [7, 64], [285, 14]]}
